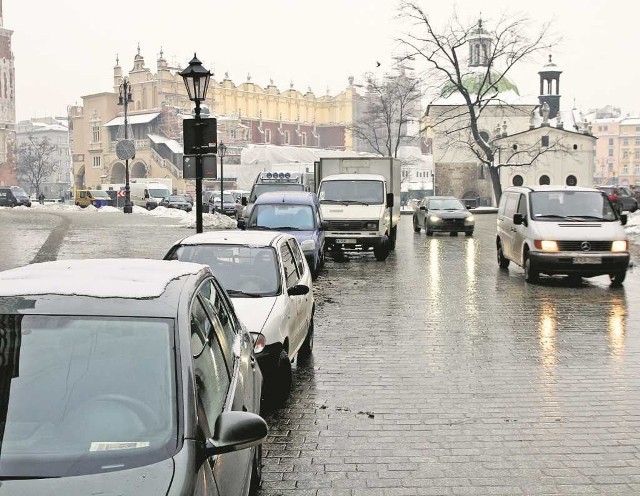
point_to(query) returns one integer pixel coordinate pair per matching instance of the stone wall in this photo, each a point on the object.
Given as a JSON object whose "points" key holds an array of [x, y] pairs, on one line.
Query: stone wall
{"points": [[463, 180]]}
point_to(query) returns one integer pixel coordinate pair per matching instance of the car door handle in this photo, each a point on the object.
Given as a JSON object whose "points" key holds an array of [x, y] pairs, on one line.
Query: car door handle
{"points": [[253, 362]]}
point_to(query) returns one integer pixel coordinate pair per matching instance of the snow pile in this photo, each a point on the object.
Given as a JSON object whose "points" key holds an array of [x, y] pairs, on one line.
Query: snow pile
{"points": [[633, 227], [212, 221]]}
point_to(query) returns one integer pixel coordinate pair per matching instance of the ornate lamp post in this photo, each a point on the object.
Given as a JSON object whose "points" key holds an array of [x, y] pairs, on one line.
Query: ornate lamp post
{"points": [[222, 151], [196, 79], [125, 149]]}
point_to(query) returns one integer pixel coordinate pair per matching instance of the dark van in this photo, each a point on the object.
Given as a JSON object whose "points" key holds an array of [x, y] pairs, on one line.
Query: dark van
{"points": [[13, 196]]}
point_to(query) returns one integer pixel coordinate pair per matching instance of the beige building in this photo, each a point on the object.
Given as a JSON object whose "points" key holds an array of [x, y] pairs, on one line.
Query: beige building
{"points": [[246, 113], [618, 150], [7, 107]]}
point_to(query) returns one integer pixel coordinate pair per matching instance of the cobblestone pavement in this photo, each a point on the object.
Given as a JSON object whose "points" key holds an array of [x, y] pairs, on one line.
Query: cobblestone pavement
{"points": [[433, 373]]}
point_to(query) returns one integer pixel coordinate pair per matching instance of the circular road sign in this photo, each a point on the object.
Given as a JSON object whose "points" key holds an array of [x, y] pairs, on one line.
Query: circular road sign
{"points": [[125, 149]]}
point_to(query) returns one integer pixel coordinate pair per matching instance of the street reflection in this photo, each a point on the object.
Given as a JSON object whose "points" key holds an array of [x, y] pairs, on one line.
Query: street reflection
{"points": [[471, 263], [547, 328], [616, 327], [434, 266]]}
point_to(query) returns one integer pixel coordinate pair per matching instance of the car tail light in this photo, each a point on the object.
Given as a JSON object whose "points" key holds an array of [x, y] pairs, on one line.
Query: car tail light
{"points": [[613, 197], [259, 342]]}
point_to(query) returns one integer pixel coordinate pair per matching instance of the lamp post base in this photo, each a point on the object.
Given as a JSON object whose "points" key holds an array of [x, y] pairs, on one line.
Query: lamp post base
{"points": [[128, 209]]}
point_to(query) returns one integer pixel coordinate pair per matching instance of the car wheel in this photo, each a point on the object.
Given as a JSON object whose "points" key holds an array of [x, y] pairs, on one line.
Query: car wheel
{"points": [[617, 278], [453, 233], [574, 279], [282, 378], [469, 233], [381, 251], [503, 262], [256, 471], [428, 232], [416, 227], [307, 347], [530, 274]]}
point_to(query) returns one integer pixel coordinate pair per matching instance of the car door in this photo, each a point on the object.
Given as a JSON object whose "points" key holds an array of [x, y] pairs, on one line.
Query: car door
{"points": [[319, 230], [421, 212], [519, 232], [293, 303], [306, 301], [215, 391], [505, 222]]}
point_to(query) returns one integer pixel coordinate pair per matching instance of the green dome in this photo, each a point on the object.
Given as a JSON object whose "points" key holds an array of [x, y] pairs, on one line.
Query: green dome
{"points": [[473, 83]]}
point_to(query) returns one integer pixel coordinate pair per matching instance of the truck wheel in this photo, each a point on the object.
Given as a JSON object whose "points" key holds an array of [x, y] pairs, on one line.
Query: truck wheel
{"points": [[381, 251], [392, 238], [617, 278], [416, 227]]}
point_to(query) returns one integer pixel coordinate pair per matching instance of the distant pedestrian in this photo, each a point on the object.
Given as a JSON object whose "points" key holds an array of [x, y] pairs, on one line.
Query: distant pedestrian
{"points": [[41, 198]]}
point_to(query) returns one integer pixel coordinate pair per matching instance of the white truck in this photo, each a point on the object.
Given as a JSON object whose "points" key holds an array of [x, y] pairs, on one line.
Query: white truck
{"points": [[147, 193], [360, 203]]}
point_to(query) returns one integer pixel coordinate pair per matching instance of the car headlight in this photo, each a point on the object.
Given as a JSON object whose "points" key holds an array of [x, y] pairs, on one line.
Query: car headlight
{"points": [[546, 245], [308, 244], [434, 218], [259, 342], [371, 226], [619, 245], [469, 220]]}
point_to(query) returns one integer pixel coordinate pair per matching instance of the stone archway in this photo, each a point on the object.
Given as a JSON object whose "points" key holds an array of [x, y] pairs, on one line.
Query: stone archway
{"points": [[79, 178], [471, 195], [139, 170], [117, 173]]}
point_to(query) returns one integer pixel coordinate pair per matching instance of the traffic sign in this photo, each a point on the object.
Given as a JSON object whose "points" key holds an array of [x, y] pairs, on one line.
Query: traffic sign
{"points": [[122, 193], [125, 149], [209, 129], [209, 167]]}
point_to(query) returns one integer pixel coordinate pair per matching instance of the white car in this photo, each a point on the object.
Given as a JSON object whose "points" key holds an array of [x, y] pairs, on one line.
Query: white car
{"points": [[268, 279]]}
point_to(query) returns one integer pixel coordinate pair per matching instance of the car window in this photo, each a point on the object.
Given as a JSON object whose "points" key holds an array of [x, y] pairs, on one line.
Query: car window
{"points": [[209, 368], [511, 204], [223, 319], [297, 255], [288, 262], [522, 205]]}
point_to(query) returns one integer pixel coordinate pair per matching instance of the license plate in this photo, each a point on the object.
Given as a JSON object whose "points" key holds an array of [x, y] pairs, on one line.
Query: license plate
{"points": [[587, 260], [347, 241]]}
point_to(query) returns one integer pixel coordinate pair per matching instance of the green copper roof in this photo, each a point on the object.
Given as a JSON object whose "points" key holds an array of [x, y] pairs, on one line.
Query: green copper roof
{"points": [[473, 83]]}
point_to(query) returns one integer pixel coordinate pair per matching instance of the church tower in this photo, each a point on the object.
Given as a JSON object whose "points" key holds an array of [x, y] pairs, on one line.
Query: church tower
{"points": [[550, 87], [7, 107], [479, 46]]}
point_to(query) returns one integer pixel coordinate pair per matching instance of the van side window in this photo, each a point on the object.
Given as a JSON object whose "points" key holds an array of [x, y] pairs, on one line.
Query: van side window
{"points": [[522, 205], [511, 204]]}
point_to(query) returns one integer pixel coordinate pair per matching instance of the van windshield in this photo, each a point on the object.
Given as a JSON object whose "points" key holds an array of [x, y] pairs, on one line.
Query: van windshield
{"points": [[282, 216], [345, 191], [18, 192], [571, 205]]}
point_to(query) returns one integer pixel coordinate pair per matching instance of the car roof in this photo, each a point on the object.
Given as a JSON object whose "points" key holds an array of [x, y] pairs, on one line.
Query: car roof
{"points": [[442, 198], [351, 177], [233, 237], [293, 197], [549, 187], [122, 287]]}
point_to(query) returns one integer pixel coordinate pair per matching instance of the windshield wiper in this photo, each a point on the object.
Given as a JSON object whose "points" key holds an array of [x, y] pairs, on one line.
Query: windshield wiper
{"points": [[356, 202], [237, 292], [552, 216], [261, 227], [594, 217], [286, 228], [332, 201]]}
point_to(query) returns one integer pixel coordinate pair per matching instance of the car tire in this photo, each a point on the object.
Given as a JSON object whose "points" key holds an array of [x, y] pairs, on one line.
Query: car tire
{"points": [[428, 232], [256, 471], [381, 251], [416, 227], [503, 262], [530, 274], [392, 238], [469, 233], [282, 378], [617, 278], [307, 347]]}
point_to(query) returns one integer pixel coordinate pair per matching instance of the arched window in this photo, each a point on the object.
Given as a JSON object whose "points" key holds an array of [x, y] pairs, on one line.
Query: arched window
{"points": [[544, 179], [517, 180], [572, 180]]}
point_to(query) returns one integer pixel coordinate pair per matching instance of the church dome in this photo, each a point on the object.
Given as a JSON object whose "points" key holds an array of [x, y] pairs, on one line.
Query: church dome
{"points": [[550, 67], [475, 81]]}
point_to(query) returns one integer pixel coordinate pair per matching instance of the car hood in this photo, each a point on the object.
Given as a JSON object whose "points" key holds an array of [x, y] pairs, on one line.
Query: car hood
{"points": [[254, 312], [450, 214], [335, 211], [579, 231], [150, 479]]}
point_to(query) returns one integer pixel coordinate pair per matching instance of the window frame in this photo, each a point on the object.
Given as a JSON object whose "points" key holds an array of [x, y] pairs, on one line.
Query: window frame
{"points": [[298, 257], [285, 246]]}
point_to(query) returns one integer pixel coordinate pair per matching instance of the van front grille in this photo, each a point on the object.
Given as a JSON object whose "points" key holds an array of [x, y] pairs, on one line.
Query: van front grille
{"points": [[581, 245]]}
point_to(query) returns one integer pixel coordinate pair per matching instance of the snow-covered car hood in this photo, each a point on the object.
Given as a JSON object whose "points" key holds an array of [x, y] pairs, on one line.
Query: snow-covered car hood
{"points": [[333, 211], [450, 214], [254, 312]]}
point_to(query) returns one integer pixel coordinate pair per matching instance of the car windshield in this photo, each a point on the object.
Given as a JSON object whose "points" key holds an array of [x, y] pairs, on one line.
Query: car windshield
{"points": [[282, 216], [572, 205], [228, 198], [177, 199], [258, 189], [445, 204], [344, 191], [158, 193], [18, 192], [100, 194], [242, 270], [82, 395]]}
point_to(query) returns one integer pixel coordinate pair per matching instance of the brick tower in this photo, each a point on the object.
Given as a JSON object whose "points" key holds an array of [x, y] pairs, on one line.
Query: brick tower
{"points": [[7, 107]]}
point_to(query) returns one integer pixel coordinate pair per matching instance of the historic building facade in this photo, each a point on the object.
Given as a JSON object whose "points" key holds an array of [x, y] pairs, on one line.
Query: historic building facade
{"points": [[7, 107], [246, 113], [618, 150]]}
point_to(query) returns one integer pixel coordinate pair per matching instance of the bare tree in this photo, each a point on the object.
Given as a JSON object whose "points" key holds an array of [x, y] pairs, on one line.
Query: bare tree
{"points": [[390, 105], [445, 49], [35, 163]]}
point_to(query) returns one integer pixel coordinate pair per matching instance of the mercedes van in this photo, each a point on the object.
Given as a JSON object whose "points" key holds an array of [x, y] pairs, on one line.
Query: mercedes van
{"points": [[562, 230]]}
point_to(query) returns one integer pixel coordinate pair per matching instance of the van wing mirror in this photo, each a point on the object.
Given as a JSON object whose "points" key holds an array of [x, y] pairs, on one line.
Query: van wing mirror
{"points": [[623, 219], [390, 200], [324, 225], [518, 219], [244, 201]]}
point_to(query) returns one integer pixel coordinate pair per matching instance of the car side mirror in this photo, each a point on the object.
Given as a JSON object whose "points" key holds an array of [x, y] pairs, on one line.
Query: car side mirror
{"points": [[623, 219], [423, 208], [390, 200], [244, 201], [235, 431], [324, 225], [518, 219], [298, 290], [242, 224]]}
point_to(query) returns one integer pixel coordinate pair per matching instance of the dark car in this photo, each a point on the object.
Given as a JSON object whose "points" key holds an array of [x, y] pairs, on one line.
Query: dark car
{"points": [[125, 377], [13, 196], [620, 197], [176, 201], [443, 214], [228, 206]]}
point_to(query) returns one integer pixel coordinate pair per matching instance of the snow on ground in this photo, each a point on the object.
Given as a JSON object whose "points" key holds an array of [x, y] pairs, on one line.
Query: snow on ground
{"points": [[633, 226]]}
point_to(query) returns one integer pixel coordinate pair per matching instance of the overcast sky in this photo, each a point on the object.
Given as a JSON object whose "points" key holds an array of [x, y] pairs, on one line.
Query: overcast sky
{"points": [[65, 49]]}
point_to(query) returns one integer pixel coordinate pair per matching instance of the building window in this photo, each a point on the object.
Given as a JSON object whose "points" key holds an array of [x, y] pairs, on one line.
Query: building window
{"points": [[518, 180], [572, 181], [611, 153], [544, 179], [96, 162], [267, 135], [625, 142], [637, 141], [610, 141], [95, 132], [610, 166], [636, 170], [625, 170], [545, 141], [637, 154], [637, 129], [304, 139], [286, 137], [605, 128], [625, 154], [232, 133]]}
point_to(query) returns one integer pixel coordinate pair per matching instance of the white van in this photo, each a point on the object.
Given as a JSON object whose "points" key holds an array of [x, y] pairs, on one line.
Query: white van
{"points": [[148, 194], [562, 230]]}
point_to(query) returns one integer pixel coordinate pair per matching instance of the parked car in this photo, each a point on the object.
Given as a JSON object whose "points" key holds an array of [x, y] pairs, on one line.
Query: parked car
{"points": [[562, 230], [176, 201], [127, 376], [14, 196], [443, 214], [269, 282], [228, 205], [95, 197], [296, 213], [623, 199]]}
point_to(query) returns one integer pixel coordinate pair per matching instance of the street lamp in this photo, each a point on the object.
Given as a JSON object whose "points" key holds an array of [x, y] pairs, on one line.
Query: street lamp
{"points": [[196, 79], [222, 151], [126, 148]]}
